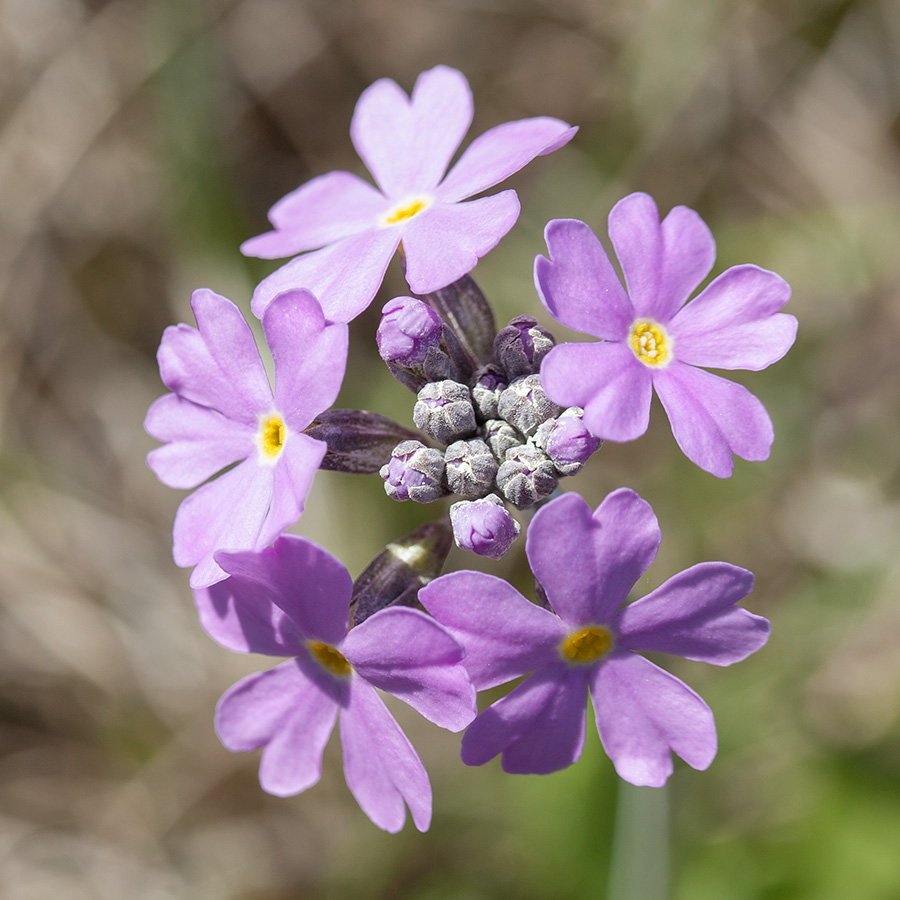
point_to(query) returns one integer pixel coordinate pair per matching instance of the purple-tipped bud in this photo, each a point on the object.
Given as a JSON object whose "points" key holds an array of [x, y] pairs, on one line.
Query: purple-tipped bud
{"points": [[526, 476], [487, 385], [500, 437], [415, 472], [484, 526], [409, 328], [520, 347], [567, 441], [470, 468], [444, 411], [525, 405]]}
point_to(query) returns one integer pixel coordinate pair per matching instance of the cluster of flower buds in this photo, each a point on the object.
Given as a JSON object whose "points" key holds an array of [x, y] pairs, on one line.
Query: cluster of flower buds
{"points": [[504, 440]]}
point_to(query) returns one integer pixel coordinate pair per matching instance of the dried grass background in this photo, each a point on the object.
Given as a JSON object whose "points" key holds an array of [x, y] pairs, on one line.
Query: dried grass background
{"points": [[140, 142]]}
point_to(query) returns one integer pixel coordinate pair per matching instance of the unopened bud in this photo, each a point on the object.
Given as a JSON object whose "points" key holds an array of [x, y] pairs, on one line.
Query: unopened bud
{"points": [[525, 405], [415, 472], [484, 526], [520, 347], [444, 411], [526, 476], [470, 468], [408, 329], [487, 385], [500, 437], [567, 441]]}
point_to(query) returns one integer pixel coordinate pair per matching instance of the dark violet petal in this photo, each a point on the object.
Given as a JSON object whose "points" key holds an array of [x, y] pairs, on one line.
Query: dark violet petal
{"points": [[381, 767], [496, 154], [445, 242], [405, 653], [218, 365], [287, 713], [304, 580], [607, 381], [735, 323], [407, 143], [200, 440], [635, 233], [310, 356], [644, 712], [693, 615], [578, 284], [688, 254], [539, 726], [504, 635], [225, 514], [241, 616], [344, 277], [588, 562], [712, 418], [322, 211]]}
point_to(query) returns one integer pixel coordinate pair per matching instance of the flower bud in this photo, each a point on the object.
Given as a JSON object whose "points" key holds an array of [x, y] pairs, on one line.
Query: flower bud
{"points": [[526, 476], [520, 347], [409, 328], [415, 472], [470, 468], [525, 405], [567, 441], [500, 437], [484, 526], [487, 385], [444, 411]]}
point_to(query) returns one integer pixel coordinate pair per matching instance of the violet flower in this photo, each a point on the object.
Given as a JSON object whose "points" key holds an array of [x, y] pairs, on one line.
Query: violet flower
{"points": [[293, 599], [407, 144], [222, 411], [651, 340], [587, 563]]}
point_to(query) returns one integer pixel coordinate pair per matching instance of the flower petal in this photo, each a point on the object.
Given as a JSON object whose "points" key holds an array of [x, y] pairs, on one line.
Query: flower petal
{"points": [[344, 277], [304, 580], [712, 418], [322, 211], [735, 323], [642, 713], [407, 143], [501, 151], [405, 653], [504, 635], [635, 233], [201, 441], [539, 726], [578, 284], [445, 241], [381, 767], [607, 381], [588, 562], [693, 615], [289, 713], [216, 364]]}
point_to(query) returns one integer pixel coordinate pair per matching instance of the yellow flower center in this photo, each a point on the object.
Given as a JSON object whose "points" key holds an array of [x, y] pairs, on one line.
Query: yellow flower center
{"points": [[649, 342], [272, 436], [586, 645], [405, 211], [329, 659]]}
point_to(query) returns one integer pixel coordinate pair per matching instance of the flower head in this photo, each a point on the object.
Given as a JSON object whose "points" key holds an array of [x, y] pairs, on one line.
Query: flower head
{"points": [[222, 411], [407, 144], [293, 600], [587, 563], [651, 340]]}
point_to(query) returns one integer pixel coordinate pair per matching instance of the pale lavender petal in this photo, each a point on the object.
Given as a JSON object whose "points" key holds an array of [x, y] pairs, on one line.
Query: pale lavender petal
{"points": [[405, 653], [539, 726], [735, 323], [310, 356], [304, 580], [445, 241], [200, 440], [218, 365], [495, 155], [504, 635], [322, 211], [607, 381], [636, 235], [225, 514], [287, 712], [587, 562], [381, 767], [578, 284], [241, 616], [644, 712], [344, 277], [688, 254], [693, 615], [712, 418], [407, 143]]}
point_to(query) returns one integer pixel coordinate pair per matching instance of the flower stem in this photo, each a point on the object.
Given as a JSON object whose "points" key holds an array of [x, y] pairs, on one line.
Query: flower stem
{"points": [[639, 866]]}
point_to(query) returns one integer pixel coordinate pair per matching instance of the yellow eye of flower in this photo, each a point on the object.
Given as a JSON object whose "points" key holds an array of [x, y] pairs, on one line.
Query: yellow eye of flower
{"points": [[405, 211], [586, 645], [649, 342], [329, 659], [272, 436]]}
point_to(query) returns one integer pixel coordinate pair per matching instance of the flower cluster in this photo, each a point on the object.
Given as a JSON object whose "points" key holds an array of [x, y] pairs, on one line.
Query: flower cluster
{"points": [[501, 417]]}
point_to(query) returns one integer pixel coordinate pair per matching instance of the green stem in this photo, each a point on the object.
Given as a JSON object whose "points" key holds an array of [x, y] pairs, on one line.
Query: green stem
{"points": [[639, 868]]}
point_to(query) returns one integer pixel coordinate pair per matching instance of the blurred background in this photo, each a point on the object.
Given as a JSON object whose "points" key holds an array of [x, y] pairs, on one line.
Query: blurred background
{"points": [[141, 142]]}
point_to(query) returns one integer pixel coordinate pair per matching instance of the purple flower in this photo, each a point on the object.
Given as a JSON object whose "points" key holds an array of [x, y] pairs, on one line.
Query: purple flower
{"points": [[407, 144], [293, 599], [222, 411], [587, 563], [650, 339]]}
